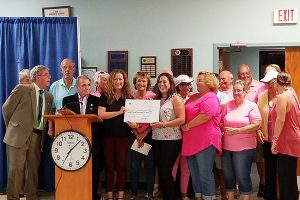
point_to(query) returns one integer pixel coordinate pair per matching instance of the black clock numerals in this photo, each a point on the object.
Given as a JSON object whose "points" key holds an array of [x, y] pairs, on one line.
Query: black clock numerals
{"points": [[70, 150], [59, 143]]}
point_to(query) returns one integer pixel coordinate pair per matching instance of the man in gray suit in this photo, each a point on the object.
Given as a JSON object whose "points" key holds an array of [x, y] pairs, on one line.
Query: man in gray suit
{"points": [[25, 129]]}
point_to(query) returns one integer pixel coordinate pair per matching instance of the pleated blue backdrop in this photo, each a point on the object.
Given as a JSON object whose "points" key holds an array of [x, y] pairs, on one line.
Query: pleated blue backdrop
{"points": [[24, 43]]}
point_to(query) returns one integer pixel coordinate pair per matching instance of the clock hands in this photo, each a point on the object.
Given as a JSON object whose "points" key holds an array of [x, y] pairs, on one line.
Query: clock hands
{"points": [[71, 151]]}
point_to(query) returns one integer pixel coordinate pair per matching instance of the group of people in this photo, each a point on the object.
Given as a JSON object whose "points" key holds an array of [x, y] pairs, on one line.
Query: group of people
{"points": [[218, 125]]}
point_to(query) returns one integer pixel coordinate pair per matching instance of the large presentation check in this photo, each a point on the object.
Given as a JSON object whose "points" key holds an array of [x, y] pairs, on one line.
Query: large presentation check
{"points": [[141, 111]]}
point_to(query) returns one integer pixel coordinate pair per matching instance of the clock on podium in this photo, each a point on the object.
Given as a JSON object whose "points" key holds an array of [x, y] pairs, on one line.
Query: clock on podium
{"points": [[70, 150], [71, 153]]}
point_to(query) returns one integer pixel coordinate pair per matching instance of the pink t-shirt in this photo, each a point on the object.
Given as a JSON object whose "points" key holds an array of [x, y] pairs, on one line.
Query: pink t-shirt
{"points": [[260, 90], [204, 135], [238, 117], [149, 95], [254, 87]]}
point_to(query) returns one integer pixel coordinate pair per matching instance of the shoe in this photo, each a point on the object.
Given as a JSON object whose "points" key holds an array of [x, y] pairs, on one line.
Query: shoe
{"points": [[260, 192], [237, 194], [147, 196], [133, 197], [155, 191]]}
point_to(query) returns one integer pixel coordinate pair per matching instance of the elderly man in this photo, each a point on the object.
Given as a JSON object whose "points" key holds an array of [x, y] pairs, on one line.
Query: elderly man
{"points": [[226, 83], [245, 74], [25, 126], [65, 86], [85, 103]]}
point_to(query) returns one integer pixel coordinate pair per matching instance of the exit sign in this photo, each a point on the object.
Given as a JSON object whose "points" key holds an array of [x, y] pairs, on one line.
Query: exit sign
{"points": [[285, 16]]}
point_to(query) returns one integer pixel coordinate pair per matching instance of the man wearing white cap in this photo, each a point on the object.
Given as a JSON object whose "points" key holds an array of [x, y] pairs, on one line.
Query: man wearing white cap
{"points": [[266, 103]]}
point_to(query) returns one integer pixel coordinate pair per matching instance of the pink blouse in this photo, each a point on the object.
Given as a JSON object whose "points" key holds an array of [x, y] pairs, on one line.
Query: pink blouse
{"points": [[236, 117], [289, 139], [204, 135]]}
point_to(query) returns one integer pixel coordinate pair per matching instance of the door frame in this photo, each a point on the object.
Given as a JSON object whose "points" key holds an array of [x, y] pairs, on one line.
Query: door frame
{"points": [[218, 46]]}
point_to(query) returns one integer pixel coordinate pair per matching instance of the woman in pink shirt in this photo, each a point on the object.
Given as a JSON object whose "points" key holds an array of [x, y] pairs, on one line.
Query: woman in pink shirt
{"points": [[142, 132], [286, 137], [241, 119], [202, 134]]}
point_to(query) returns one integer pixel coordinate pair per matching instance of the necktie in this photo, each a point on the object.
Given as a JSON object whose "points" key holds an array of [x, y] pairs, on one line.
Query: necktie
{"points": [[81, 107], [40, 104]]}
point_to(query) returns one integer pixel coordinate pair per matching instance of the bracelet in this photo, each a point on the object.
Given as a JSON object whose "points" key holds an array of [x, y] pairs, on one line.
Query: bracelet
{"points": [[239, 130], [275, 140]]}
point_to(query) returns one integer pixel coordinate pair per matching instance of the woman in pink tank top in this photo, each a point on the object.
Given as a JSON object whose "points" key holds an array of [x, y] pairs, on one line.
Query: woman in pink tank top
{"points": [[286, 137]]}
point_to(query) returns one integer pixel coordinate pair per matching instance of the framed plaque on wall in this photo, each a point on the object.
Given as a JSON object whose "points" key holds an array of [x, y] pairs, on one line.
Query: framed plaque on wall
{"points": [[148, 64], [118, 60]]}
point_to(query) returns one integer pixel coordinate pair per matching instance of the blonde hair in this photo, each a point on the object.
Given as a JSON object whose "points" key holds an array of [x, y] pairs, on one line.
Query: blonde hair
{"points": [[211, 81], [110, 92]]}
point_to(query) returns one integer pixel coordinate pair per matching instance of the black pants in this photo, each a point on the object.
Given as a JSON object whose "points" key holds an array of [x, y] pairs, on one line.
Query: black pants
{"points": [[287, 177], [165, 155], [270, 172]]}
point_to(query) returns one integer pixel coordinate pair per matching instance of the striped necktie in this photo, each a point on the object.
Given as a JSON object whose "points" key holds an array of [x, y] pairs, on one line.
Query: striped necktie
{"points": [[40, 108]]}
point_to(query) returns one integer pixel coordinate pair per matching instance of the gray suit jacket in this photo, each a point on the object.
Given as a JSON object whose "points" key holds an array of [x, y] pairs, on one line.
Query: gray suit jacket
{"points": [[19, 113]]}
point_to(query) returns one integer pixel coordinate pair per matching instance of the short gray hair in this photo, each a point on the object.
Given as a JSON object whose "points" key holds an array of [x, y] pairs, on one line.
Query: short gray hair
{"points": [[82, 77], [67, 59], [241, 83], [34, 72], [23, 74]]}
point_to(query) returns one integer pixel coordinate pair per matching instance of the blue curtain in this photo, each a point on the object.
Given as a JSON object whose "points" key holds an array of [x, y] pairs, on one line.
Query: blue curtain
{"points": [[24, 43]]}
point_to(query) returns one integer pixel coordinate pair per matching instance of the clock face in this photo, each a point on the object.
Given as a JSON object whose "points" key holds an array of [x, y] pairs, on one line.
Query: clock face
{"points": [[70, 150]]}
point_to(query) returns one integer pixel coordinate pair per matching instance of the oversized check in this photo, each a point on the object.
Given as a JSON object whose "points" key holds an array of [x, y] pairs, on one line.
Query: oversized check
{"points": [[141, 111]]}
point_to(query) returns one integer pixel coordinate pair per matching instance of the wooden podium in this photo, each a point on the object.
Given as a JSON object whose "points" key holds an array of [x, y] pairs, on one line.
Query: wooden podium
{"points": [[74, 185]]}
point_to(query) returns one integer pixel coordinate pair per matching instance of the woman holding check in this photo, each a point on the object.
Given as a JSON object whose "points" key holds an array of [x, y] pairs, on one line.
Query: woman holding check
{"points": [[166, 133], [115, 132], [142, 132]]}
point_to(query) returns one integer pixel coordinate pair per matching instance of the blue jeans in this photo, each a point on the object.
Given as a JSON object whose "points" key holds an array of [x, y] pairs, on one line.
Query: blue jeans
{"points": [[135, 165], [201, 168], [236, 167]]}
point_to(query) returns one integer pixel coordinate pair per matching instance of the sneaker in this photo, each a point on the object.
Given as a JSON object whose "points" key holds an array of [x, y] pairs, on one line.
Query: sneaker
{"points": [[148, 196], [133, 197], [155, 191]]}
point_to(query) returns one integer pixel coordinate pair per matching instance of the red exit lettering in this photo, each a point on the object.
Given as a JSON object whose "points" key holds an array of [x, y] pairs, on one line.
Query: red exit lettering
{"points": [[285, 15]]}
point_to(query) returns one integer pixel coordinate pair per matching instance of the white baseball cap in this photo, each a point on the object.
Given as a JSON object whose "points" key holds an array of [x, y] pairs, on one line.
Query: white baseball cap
{"points": [[269, 76], [182, 79]]}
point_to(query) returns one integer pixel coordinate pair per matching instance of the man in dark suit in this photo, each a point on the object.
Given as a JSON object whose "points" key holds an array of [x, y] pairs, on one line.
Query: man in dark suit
{"points": [[85, 103], [25, 130]]}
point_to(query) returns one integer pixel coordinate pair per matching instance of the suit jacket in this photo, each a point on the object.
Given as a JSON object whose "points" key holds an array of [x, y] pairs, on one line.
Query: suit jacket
{"points": [[72, 102], [19, 113]]}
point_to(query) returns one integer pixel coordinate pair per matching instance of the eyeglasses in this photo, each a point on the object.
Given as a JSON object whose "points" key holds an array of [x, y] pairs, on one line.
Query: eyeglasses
{"points": [[48, 75]]}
